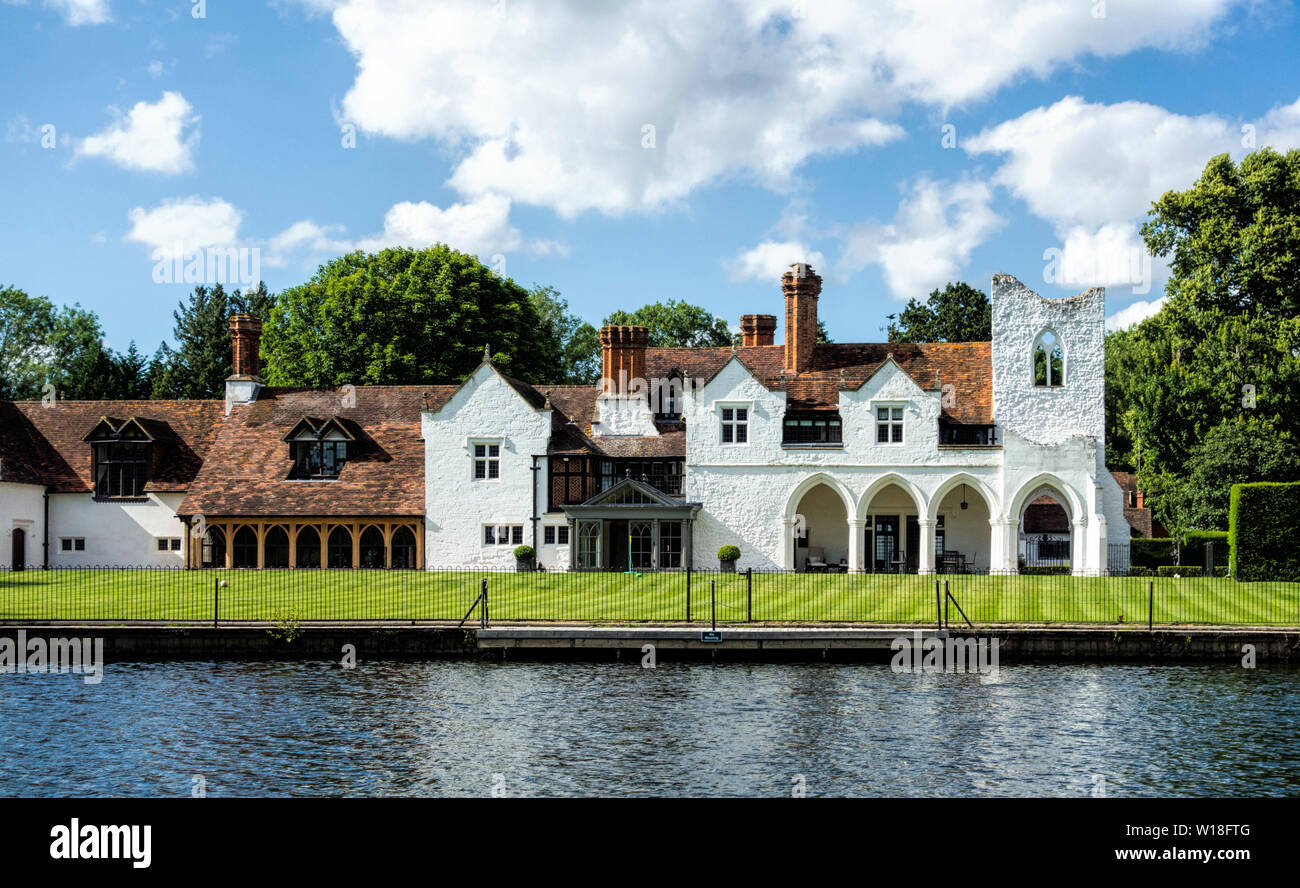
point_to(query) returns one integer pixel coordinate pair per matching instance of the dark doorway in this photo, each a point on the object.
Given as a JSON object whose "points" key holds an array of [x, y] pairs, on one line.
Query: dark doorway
{"points": [[20, 549], [886, 550], [617, 558], [913, 543]]}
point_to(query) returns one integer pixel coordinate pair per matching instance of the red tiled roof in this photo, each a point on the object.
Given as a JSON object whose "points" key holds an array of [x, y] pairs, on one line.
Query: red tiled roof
{"points": [[967, 366], [44, 444], [248, 467]]}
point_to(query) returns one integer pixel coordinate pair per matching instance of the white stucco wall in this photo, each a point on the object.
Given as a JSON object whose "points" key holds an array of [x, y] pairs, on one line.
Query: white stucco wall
{"points": [[486, 407], [117, 534], [22, 506]]}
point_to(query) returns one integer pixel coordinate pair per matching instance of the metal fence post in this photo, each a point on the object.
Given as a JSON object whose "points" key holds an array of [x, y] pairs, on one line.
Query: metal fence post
{"points": [[749, 595], [483, 610], [216, 598], [938, 610], [946, 598], [688, 594], [1151, 605], [713, 605]]}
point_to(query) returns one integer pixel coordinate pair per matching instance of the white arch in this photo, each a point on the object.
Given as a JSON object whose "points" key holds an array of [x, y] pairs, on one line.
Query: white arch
{"points": [[989, 497], [807, 484], [864, 504], [1050, 484]]}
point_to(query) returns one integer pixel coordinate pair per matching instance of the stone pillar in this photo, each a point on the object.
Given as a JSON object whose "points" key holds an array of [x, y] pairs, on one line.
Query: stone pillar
{"points": [[997, 546], [789, 545], [1079, 547], [855, 544], [925, 558], [1011, 547]]}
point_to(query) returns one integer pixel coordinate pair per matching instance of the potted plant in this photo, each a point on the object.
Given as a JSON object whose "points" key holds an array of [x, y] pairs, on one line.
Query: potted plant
{"points": [[525, 558], [728, 555]]}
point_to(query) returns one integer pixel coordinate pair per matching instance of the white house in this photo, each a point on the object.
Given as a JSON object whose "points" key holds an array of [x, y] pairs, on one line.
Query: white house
{"points": [[861, 457], [914, 457]]}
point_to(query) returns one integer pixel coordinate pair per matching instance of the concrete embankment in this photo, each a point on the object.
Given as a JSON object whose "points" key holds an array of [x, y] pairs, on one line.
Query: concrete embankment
{"points": [[751, 643]]}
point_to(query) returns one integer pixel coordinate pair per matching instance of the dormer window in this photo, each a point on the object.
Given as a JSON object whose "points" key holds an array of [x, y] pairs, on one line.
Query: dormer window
{"points": [[320, 449], [667, 395], [121, 451], [1049, 361]]}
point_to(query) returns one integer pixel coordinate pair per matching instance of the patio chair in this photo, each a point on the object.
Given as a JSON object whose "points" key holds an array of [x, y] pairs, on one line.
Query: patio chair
{"points": [[816, 559]]}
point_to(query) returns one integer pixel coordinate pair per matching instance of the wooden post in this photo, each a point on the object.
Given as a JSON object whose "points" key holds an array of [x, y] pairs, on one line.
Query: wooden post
{"points": [[356, 545]]}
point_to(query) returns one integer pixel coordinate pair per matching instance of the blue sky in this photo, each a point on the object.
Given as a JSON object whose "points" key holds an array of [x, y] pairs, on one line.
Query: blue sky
{"points": [[522, 133]]}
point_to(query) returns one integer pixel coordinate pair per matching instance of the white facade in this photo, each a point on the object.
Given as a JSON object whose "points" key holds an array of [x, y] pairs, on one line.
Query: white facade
{"points": [[766, 497], [22, 509]]}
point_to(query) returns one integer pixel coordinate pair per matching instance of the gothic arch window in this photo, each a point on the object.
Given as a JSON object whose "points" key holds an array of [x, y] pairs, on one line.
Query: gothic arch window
{"points": [[1049, 360]]}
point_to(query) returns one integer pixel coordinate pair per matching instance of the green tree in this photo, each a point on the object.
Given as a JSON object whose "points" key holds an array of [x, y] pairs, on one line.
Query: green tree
{"points": [[40, 344], [1237, 451], [576, 342], [957, 313], [404, 316], [675, 324], [202, 360]]}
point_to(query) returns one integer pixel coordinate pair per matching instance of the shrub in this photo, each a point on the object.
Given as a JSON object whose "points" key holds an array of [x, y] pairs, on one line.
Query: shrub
{"points": [[524, 553], [1194, 542], [1150, 552], [1048, 570], [1138, 570], [728, 553], [1185, 570], [1262, 518]]}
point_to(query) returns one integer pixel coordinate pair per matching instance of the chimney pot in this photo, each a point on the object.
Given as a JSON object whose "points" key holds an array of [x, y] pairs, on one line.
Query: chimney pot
{"points": [[246, 345], [801, 286], [757, 329], [622, 353]]}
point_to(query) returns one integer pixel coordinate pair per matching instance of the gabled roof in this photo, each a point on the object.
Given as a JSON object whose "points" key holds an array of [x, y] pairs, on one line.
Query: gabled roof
{"points": [[48, 444], [318, 427], [967, 366], [631, 492], [247, 470]]}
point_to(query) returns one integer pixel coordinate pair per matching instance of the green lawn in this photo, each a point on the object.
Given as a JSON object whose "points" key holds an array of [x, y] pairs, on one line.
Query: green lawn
{"points": [[123, 595]]}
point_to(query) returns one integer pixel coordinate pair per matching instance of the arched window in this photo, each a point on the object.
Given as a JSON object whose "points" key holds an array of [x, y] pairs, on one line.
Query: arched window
{"points": [[1049, 361], [372, 547], [276, 548], [403, 548], [308, 547], [340, 548], [245, 547]]}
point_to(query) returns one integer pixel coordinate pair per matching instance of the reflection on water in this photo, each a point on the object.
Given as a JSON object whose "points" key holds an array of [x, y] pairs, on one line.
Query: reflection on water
{"points": [[446, 728]]}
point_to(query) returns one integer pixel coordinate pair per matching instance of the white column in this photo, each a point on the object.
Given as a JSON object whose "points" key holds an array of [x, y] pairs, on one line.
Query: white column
{"points": [[997, 546], [788, 545], [1079, 547], [1011, 549], [855, 544], [1103, 555], [925, 558]]}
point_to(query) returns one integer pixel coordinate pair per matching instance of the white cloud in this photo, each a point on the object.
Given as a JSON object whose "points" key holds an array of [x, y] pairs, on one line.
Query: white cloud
{"points": [[158, 137], [176, 227], [549, 106], [1138, 311], [479, 227], [936, 228], [1112, 255], [770, 259], [155, 68], [82, 12]]}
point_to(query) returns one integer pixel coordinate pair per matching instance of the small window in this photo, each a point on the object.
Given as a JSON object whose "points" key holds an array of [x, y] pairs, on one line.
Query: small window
{"points": [[1049, 361], [169, 544], [889, 425], [487, 462], [555, 534], [735, 425], [503, 534], [318, 460], [548, 535], [72, 544], [562, 535]]}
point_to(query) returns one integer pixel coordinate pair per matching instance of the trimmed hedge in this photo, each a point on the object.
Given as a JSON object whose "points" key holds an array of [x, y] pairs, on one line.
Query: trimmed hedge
{"points": [[1186, 570], [1262, 521], [1152, 553], [1193, 547]]}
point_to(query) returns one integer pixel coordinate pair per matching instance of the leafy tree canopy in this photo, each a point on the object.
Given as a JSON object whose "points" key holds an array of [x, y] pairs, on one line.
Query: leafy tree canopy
{"points": [[957, 313], [404, 316], [675, 324]]}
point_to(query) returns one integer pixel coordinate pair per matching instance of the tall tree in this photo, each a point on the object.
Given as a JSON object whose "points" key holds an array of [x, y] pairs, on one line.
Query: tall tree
{"points": [[957, 313], [404, 316], [40, 344], [202, 359], [577, 342], [675, 324]]}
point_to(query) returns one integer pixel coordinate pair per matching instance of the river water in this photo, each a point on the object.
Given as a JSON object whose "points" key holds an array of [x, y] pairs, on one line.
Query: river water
{"points": [[267, 728]]}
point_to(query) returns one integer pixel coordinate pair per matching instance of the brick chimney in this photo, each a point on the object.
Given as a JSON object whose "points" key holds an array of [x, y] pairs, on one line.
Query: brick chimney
{"points": [[801, 286], [622, 353], [246, 344], [757, 330], [243, 384]]}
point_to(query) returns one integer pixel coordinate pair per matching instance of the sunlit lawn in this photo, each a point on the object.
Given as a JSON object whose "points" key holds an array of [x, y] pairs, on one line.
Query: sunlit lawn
{"points": [[125, 595]]}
